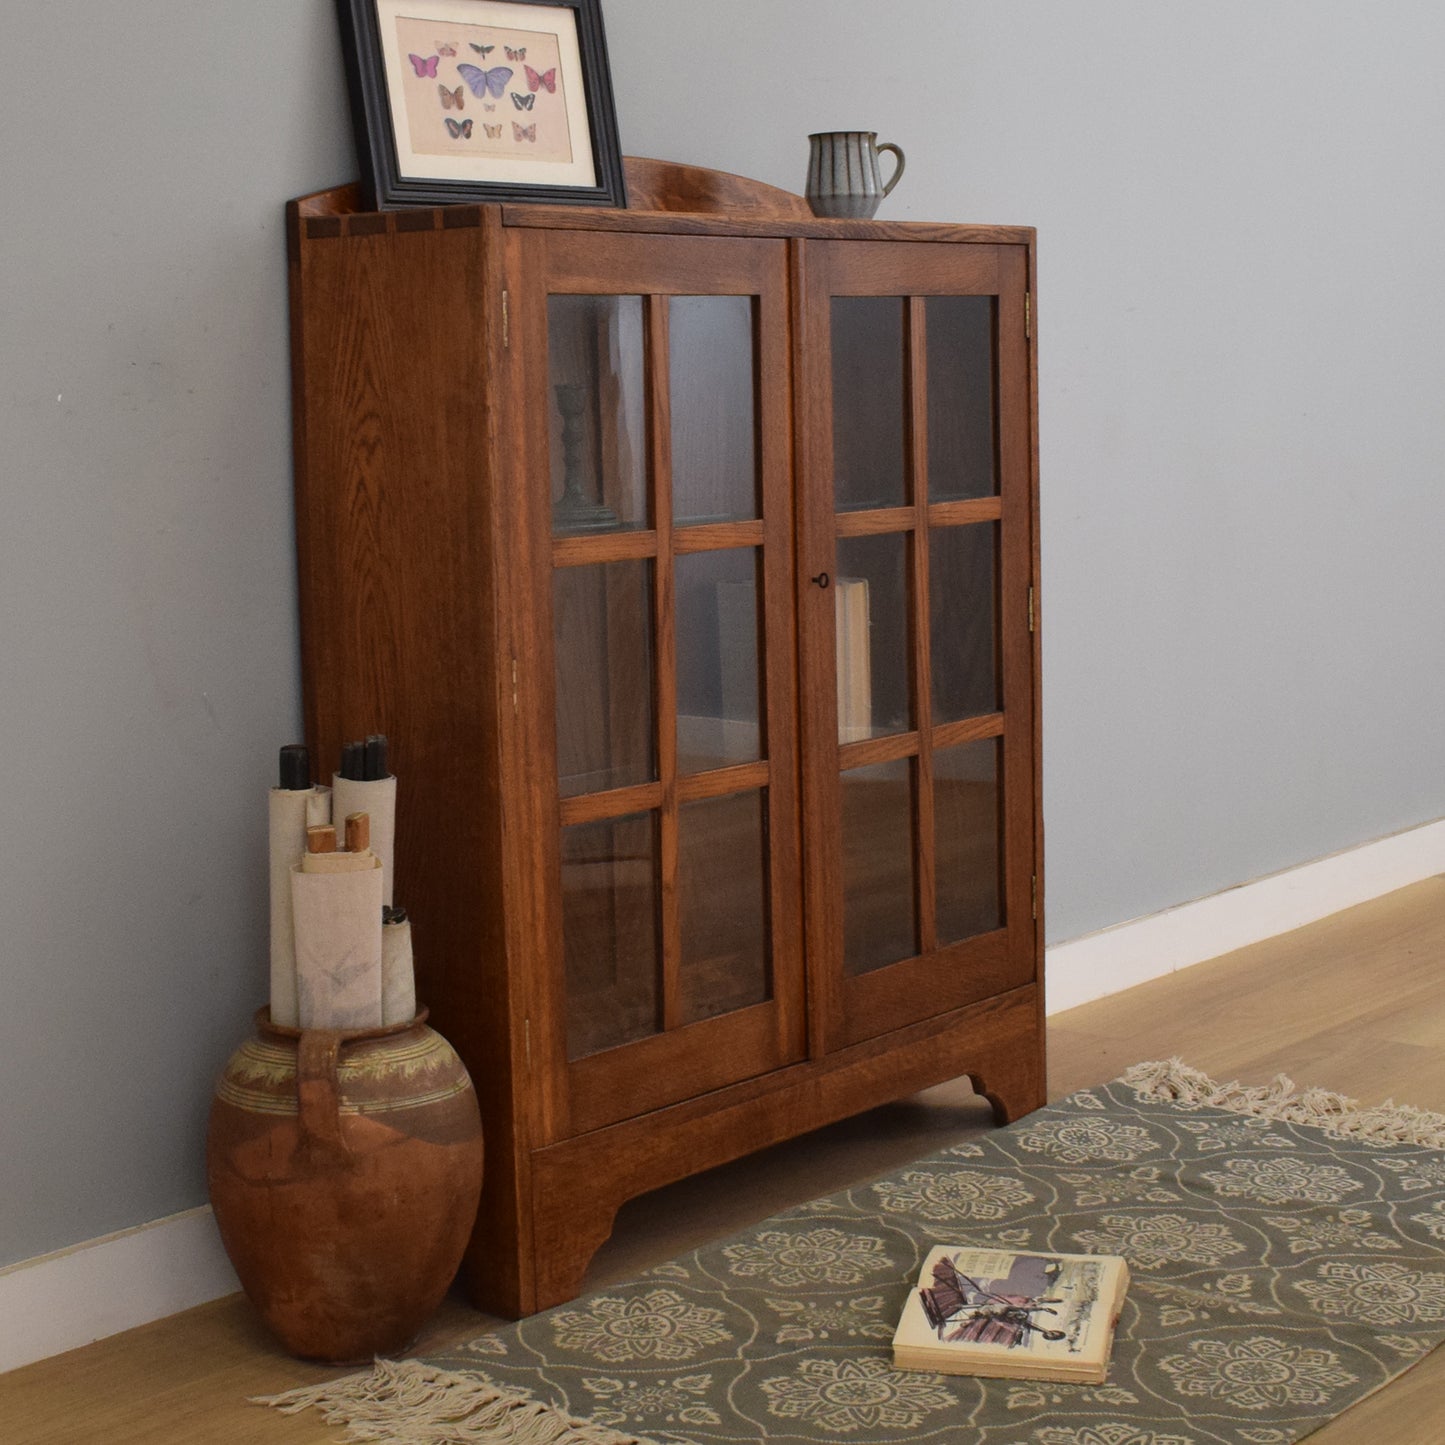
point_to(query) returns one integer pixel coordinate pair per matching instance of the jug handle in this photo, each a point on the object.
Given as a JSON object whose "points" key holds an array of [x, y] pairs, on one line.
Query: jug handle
{"points": [[898, 169], [318, 1093]]}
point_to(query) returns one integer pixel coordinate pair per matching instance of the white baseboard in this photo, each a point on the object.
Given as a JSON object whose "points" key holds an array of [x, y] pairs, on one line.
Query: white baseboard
{"points": [[1116, 958], [60, 1301], [63, 1300]]}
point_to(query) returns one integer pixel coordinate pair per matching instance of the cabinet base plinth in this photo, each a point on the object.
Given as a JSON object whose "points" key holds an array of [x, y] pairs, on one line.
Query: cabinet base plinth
{"points": [[578, 1185]]}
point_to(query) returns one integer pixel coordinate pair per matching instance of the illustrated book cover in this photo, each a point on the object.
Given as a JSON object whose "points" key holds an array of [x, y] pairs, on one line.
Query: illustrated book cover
{"points": [[1012, 1315]]}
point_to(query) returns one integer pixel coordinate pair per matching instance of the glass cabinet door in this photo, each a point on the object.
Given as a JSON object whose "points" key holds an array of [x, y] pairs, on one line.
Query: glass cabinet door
{"points": [[659, 401], [916, 655]]}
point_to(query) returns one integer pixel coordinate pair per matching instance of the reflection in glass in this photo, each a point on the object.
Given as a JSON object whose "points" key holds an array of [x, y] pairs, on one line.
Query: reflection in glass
{"points": [[597, 441], [962, 586], [719, 600], [869, 402], [968, 822], [602, 628], [723, 900], [961, 440], [879, 912], [610, 933], [873, 638], [714, 432]]}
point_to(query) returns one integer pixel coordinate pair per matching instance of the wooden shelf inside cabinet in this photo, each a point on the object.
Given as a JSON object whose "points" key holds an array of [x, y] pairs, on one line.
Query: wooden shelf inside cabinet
{"points": [[687, 554]]}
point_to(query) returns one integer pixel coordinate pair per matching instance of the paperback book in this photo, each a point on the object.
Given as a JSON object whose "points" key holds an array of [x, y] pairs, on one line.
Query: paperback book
{"points": [[1014, 1316]]}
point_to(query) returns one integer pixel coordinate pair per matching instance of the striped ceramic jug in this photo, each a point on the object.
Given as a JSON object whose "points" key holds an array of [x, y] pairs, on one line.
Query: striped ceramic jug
{"points": [[843, 175]]}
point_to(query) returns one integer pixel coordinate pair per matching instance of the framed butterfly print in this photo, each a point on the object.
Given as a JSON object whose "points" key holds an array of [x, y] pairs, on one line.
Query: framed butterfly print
{"points": [[481, 100]]}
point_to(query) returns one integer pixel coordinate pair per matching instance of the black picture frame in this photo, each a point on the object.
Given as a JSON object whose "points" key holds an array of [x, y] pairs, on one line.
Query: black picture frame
{"points": [[388, 85]]}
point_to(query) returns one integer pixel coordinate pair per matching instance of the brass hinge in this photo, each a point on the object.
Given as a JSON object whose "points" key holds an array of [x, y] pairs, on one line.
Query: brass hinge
{"points": [[1031, 609], [514, 684], [1028, 315], [506, 324], [1034, 904], [527, 1039]]}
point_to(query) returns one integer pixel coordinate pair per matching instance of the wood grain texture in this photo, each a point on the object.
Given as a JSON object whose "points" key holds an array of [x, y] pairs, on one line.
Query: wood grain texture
{"points": [[885, 749], [1294, 1003], [854, 1006], [670, 186], [659, 444], [875, 522], [1018, 535], [432, 585], [1040, 894], [669, 199], [604, 547], [578, 218], [954, 514], [652, 185], [968, 730], [925, 878], [398, 631], [994, 1041], [711, 536], [816, 545], [533, 856], [337, 201]]}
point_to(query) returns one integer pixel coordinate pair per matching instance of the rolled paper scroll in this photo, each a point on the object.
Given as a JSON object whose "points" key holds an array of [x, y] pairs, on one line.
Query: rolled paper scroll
{"points": [[398, 981], [291, 812], [378, 800], [338, 942], [318, 806]]}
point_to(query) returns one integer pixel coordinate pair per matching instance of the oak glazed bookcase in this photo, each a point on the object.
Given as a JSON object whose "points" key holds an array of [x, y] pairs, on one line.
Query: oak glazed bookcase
{"points": [[686, 553]]}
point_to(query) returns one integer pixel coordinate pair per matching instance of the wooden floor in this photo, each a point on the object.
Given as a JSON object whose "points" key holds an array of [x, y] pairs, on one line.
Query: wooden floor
{"points": [[1354, 1003]]}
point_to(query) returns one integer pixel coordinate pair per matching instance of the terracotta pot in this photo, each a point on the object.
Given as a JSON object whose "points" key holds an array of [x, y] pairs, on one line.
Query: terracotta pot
{"points": [[344, 1170]]}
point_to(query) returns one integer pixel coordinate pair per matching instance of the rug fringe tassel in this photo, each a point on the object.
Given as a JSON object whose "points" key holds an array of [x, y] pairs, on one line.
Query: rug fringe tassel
{"points": [[407, 1403], [1387, 1123]]}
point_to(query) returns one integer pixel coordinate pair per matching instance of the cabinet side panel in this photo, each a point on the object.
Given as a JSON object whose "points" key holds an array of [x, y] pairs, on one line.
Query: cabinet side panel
{"points": [[1035, 563], [394, 500]]}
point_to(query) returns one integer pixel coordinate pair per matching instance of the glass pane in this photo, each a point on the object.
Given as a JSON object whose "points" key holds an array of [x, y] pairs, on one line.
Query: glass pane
{"points": [[962, 583], [869, 403], [610, 933], [879, 916], [597, 413], [714, 432], [602, 627], [723, 899], [718, 650], [968, 821], [961, 456], [873, 638]]}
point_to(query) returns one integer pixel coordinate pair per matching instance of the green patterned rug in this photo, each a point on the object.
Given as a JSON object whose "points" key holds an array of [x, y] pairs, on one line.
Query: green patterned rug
{"points": [[1286, 1252]]}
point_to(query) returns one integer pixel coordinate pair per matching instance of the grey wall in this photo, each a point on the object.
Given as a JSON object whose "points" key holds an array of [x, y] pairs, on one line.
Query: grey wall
{"points": [[148, 669], [1242, 451]]}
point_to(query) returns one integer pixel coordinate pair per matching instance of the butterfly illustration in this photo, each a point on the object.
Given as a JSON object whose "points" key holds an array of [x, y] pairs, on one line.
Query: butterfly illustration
{"points": [[453, 99], [515, 54], [523, 102], [445, 48], [493, 131], [481, 81], [424, 67], [535, 81], [524, 132], [482, 50], [487, 105], [459, 129]]}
